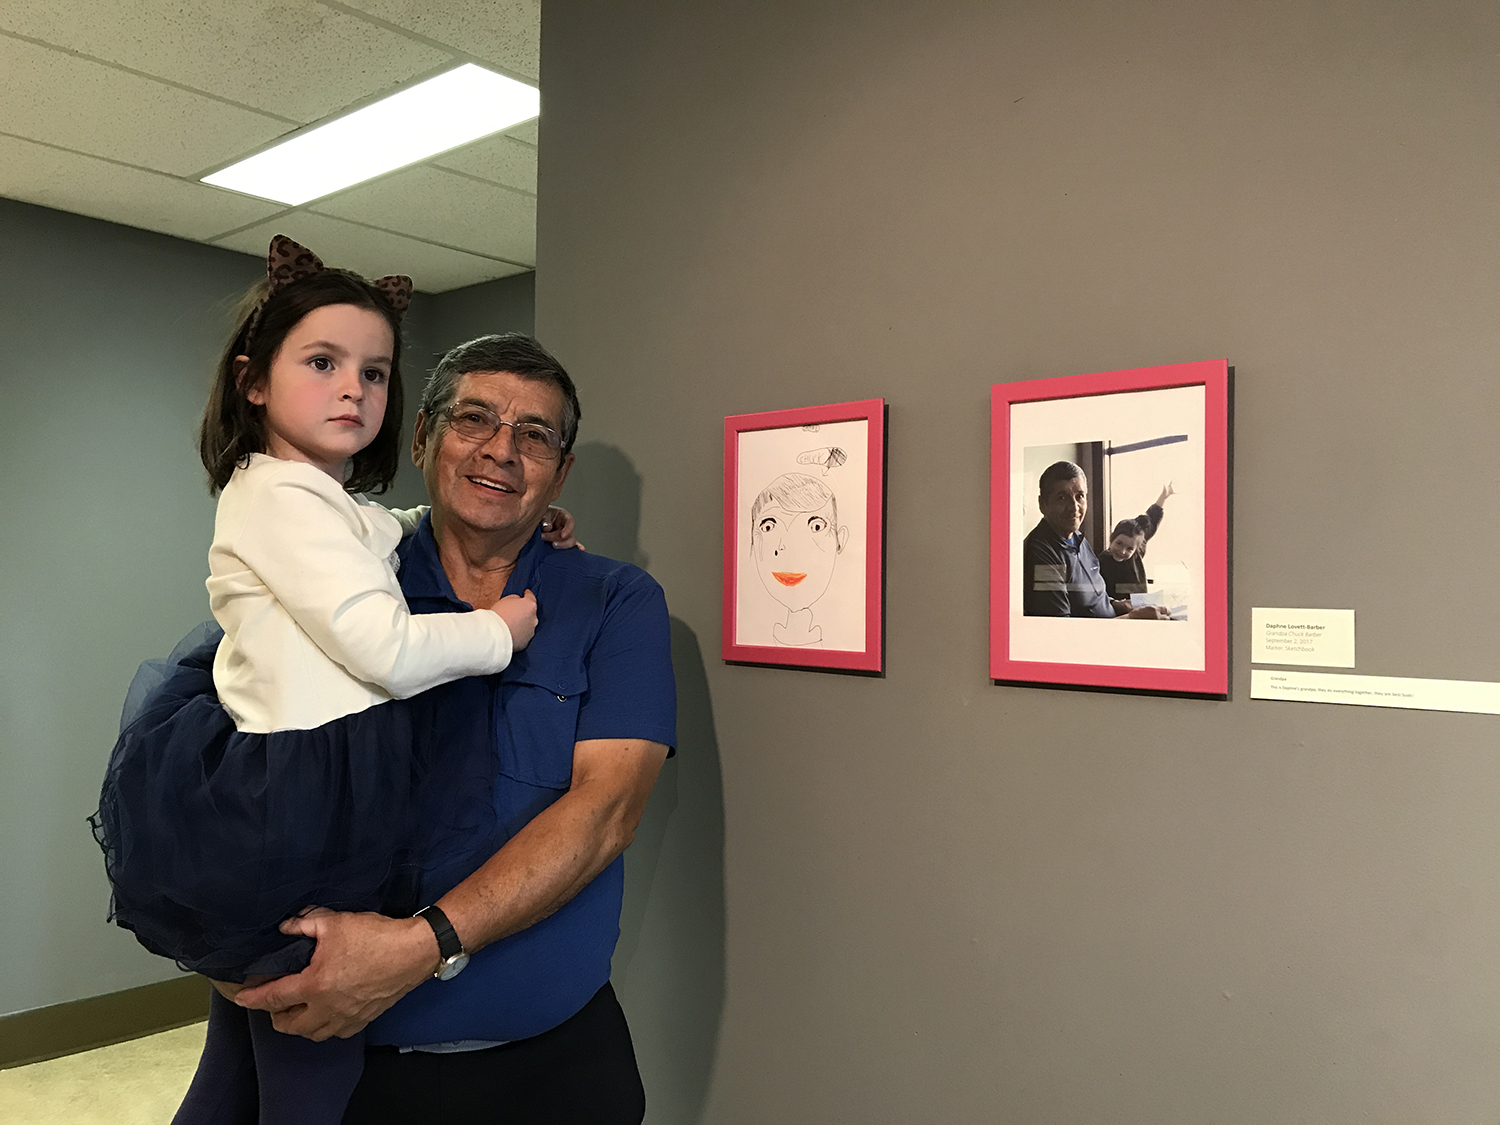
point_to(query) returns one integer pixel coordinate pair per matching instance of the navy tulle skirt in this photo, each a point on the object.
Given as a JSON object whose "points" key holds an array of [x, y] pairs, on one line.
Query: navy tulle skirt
{"points": [[212, 837]]}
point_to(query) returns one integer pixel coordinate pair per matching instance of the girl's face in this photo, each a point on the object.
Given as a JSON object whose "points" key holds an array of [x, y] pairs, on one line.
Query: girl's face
{"points": [[1122, 547], [325, 393]]}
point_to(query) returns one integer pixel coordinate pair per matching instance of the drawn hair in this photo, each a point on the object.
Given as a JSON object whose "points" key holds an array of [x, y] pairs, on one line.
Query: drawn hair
{"points": [[233, 427], [795, 492], [1056, 473], [512, 352], [1125, 527]]}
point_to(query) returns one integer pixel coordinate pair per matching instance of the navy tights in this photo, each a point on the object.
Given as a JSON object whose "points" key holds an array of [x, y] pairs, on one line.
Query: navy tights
{"points": [[251, 1074]]}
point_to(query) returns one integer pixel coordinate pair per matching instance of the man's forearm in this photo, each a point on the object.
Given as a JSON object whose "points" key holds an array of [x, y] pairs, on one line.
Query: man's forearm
{"points": [[560, 851]]}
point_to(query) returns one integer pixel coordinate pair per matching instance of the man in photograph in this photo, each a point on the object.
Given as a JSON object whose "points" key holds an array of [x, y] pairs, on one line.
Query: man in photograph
{"points": [[1060, 572]]}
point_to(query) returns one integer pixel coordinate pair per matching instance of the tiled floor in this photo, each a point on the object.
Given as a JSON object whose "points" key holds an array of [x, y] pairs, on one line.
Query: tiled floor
{"points": [[136, 1083]]}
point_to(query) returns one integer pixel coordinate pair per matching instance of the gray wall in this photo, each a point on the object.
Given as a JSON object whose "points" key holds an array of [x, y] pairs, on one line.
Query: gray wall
{"points": [[951, 901], [108, 338]]}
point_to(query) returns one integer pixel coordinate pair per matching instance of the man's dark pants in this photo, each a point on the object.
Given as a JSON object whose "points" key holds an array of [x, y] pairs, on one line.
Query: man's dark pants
{"points": [[582, 1072]]}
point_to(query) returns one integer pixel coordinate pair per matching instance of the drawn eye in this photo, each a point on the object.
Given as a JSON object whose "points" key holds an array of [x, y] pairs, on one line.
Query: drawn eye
{"points": [[817, 525], [767, 525]]}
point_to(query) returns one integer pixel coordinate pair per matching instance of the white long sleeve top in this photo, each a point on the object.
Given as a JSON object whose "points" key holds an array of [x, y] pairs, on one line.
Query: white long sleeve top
{"points": [[315, 625]]}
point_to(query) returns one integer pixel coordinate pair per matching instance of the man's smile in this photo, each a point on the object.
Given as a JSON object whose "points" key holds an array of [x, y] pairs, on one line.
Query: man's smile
{"points": [[492, 485]]}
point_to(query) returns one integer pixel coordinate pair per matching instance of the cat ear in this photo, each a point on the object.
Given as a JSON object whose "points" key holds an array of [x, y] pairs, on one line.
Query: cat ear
{"points": [[288, 261], [397, 289]]}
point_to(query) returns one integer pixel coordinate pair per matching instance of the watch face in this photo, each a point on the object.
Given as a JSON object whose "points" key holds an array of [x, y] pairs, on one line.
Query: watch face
{"points": [[453, 966]]}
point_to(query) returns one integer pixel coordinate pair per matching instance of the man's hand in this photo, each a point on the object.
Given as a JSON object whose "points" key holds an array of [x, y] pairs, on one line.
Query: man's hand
{"points": [[1150, 613], [362, 965]]}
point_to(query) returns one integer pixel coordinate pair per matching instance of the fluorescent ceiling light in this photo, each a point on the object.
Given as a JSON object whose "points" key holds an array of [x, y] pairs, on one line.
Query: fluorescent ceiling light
{"points": [[430, 117]]}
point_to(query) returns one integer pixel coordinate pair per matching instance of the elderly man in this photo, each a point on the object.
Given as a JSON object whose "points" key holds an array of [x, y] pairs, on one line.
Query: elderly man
{"points": [[1060, 572], [521, 1014]]}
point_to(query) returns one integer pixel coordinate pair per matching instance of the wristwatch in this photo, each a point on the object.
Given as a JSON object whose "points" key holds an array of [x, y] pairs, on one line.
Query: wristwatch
{"points": [[450, 949]]}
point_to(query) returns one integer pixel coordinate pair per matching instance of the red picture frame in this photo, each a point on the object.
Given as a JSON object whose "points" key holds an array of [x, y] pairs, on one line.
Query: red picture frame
{"points": [[1131, 427], [804, 537]]}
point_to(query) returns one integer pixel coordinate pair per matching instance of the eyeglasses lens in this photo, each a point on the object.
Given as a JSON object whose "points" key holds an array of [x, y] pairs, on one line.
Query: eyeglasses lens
{"points": [[531, 439]]}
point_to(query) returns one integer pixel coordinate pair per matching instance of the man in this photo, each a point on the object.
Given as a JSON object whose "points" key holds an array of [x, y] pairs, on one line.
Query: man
{"points": [[1060, 573], [583, 719]]}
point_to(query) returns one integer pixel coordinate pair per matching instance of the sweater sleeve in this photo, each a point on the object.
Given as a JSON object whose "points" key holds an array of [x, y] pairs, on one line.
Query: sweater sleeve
{"points": [[1044, 581], [1151, 520], [303, 544], [408, 518]]}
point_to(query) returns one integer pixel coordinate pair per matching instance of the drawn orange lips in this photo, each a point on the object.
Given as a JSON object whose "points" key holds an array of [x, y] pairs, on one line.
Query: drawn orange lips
{"points": [[787, 578]]}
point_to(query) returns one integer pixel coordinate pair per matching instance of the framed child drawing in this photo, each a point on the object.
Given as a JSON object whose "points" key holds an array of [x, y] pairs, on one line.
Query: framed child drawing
{"points": [[1109, 530], [804, 503]]}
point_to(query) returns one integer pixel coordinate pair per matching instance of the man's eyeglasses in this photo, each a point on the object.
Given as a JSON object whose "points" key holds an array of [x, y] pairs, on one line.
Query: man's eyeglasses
{"points": [[476, 423]]}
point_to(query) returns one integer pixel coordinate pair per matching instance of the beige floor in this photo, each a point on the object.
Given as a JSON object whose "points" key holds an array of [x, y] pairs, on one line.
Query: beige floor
{"points": [[136, 1083]]}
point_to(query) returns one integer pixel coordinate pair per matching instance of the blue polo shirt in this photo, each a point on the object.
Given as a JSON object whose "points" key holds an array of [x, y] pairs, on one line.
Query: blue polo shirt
{"points": [[600, 666]]}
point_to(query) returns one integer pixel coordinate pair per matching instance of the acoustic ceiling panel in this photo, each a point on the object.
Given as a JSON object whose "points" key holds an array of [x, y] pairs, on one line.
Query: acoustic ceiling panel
{"points": [[86, 185], [445, 208], [506, 33], [502, 160], [372, 252], [299, 61], [99, 110]]}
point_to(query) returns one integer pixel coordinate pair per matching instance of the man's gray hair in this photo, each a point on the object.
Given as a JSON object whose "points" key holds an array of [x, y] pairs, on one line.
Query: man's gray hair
{"points": [[514, 352], [1056, 473]]}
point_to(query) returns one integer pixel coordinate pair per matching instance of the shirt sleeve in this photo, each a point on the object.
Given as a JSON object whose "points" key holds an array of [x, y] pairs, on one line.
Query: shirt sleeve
{"points": [[632, 692], [303, 545], [408, 518]]}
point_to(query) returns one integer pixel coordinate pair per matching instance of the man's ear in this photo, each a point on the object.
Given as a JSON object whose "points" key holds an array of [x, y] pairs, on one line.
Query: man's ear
{"points": [[843, 537], [419, 440], [562, 476]]}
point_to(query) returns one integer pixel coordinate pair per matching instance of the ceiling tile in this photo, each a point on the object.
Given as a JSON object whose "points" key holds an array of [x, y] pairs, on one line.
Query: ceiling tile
{"points": [[528, 131], [76, 104], [83, 185], [443, 207], [373, 252], [501, 159], [506, 33], [299, 60]]}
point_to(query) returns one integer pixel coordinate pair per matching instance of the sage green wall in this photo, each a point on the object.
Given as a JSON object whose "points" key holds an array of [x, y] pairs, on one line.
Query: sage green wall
{"points": [[947, 901], [108, 337]]}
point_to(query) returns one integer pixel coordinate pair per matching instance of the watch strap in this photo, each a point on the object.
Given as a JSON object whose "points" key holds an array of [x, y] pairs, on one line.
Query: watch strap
{"points": [[449, 946]]}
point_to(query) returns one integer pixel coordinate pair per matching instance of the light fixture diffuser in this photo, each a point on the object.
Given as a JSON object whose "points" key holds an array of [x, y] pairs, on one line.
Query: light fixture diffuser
{"points": [[452, 109]]}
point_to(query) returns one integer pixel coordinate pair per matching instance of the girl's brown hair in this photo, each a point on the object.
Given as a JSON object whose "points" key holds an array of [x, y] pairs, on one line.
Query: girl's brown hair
{"points": [[233, 427]]}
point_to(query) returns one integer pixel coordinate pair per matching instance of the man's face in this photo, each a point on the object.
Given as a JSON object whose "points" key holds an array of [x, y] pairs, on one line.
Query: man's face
{"points": [[795, 552], [1063, 505], [488, 486]]}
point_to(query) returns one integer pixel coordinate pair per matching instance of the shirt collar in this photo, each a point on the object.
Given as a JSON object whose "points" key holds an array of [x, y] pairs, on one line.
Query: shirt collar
{"points": [[422, 574]]}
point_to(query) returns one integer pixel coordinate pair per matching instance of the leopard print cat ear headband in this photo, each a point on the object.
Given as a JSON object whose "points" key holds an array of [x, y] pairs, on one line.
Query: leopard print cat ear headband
{"points": [[288, 261]]}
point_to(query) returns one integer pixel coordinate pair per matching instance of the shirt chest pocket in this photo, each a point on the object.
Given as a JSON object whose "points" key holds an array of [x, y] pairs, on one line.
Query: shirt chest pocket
{"points": [[538, 719]]}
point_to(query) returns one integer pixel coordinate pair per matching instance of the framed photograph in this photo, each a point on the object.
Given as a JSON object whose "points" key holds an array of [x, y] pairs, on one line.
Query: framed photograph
{"points": [[804, 537], [1109, 530]]}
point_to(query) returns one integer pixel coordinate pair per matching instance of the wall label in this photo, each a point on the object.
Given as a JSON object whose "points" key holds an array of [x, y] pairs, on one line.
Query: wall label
{"points": [[1473, 696], [1322, 637]]}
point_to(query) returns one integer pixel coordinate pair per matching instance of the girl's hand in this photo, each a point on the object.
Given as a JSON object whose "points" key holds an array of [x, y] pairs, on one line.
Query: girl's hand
{"points": [[1165, 493], [518, 611], [557, 528]]}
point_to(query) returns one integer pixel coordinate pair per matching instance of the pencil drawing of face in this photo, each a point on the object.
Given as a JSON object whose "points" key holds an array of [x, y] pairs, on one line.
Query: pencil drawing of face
{"points": [[795, 539]]}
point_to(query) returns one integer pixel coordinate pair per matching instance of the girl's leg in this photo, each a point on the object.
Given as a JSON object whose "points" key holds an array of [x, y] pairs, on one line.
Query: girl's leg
{"points": [[302, 1082], [223, 1090]]}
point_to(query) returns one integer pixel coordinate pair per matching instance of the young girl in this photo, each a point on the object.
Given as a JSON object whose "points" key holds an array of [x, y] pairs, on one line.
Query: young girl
{"points": [[305, 759]]}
